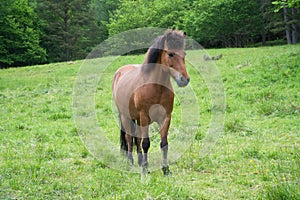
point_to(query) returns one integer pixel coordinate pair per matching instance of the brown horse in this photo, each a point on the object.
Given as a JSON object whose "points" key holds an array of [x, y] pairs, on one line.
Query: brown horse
{"points": [[143, 94]]}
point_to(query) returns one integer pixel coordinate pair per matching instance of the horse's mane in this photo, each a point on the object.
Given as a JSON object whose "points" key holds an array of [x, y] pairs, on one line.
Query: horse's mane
{"points": [[172, 39]]}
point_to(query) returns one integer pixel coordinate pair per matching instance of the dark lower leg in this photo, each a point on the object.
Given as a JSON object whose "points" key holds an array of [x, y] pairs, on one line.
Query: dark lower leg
{"points": [[146, 146], [164, 149], [129, 144], [144, 123], [139, 150], [164, 144]]}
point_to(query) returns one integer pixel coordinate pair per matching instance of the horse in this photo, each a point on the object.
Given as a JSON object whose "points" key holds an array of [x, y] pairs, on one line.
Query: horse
{"points": [[143, 94]]}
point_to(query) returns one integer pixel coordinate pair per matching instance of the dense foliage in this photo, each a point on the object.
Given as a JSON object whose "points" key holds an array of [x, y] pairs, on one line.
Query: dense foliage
{"points": [[39, 31], [19, 35], [70, 31], [213, 23]]}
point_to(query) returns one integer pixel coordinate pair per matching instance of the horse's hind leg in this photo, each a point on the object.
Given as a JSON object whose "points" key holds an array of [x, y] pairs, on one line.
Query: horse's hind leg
{"points": [[127, 125], [138, 141]]}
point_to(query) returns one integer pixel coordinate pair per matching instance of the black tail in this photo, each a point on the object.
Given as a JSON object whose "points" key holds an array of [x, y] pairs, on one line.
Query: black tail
{"points": [[123, 142], [124, 147]]}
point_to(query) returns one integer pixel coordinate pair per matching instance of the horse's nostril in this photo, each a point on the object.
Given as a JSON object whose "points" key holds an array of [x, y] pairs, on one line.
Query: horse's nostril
{"points": [[182, 79]]}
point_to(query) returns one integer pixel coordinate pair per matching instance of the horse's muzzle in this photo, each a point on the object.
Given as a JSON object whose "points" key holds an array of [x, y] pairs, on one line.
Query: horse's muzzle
{"points": [[182, 81]]}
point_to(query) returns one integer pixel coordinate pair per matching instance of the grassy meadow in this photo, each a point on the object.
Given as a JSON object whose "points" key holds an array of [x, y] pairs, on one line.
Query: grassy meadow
{"points": [[257, 156]]}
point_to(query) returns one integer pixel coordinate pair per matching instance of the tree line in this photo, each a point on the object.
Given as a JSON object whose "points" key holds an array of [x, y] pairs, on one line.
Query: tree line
{"points": [[43, 31]]}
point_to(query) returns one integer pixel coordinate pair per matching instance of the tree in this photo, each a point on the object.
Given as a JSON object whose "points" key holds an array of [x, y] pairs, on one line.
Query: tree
{"points": [[291, 18], [213, 23], [216, 23], [103, 9], [71, 31], [144, 13], [279, 4], [269, 19], [220, 23], [19, 35]]}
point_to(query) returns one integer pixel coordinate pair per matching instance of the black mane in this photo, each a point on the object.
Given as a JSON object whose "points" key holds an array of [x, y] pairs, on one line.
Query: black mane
{"points": [[155, 50]]}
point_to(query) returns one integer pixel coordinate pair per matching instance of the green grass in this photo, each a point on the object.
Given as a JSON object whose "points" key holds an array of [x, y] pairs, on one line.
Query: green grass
{"points": [[257, 157]]}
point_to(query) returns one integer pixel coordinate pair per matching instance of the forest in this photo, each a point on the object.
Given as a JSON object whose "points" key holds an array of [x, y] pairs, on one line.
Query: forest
{"points": [[45, 31]]}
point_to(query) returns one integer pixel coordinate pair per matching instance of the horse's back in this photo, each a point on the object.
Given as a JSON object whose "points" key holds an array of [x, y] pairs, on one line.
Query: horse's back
{"points": [[121, 72]]}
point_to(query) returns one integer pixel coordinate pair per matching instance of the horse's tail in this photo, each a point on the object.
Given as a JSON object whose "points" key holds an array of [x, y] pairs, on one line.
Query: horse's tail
{"points": [[123, 142]]}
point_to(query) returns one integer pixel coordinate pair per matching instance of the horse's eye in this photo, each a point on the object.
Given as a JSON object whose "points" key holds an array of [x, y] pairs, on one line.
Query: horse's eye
{"points": [[171, 55]]}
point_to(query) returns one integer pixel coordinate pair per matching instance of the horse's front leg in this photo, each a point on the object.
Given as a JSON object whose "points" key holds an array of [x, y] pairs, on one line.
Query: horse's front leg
{"points": [[164, 144], [144, 127]]}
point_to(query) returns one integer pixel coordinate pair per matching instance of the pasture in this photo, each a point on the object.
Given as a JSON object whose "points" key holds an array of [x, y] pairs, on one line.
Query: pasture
{"points": [[257, 156]]}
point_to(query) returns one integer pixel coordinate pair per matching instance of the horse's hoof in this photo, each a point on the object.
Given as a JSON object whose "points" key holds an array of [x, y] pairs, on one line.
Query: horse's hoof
{"points": [[130, 161], [140, 159], [166, 171], [145, 170]]}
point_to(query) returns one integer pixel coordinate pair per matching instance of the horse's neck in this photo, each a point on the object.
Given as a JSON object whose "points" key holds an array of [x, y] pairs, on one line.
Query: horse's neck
{"points": [[157, 75]]}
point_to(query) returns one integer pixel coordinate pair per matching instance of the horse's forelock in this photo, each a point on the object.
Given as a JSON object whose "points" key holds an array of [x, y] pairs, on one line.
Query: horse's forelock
{"points": [[172, 39], [159, 42]]}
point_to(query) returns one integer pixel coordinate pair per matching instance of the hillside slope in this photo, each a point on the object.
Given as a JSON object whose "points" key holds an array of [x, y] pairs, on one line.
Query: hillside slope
{"points": [[257, 157]]}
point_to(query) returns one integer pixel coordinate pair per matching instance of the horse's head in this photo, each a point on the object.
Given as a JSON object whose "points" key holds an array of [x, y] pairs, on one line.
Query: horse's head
{"points": [[174, 61], [168, 50], [173, 57]]}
